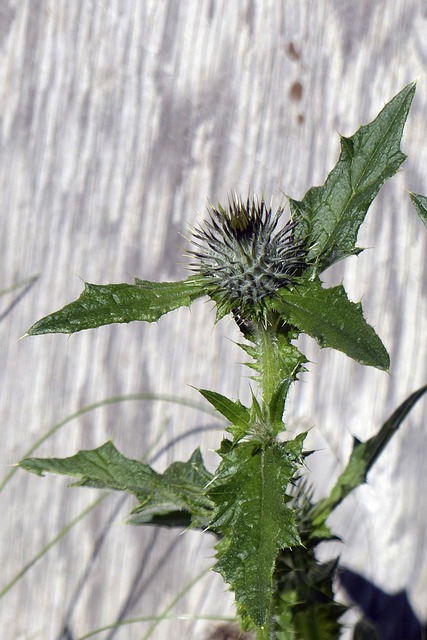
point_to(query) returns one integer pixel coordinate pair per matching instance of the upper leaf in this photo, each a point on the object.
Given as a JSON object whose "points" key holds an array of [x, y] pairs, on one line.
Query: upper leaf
{"points": [[180, 488], [251, 516], [329, 216], [330, 317], [104, 304], [420, 204]]}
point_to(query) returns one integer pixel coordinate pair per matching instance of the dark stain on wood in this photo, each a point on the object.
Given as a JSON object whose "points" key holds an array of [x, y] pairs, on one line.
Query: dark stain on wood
{"points": [[296, 91]]}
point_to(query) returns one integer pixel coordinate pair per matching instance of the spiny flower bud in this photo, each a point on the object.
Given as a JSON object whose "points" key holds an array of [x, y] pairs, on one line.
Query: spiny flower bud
{"points": [[244, 257]]}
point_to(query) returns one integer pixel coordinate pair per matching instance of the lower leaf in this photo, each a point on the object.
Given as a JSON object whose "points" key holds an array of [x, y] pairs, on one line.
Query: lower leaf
{"points": [[251, 516], [179, 489]]}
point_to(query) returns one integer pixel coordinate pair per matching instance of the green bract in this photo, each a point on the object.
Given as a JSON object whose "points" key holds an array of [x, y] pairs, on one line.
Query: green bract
{"points": [[265, 272]]}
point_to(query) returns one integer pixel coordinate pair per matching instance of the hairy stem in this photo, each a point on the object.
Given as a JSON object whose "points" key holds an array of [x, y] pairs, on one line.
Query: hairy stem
{"points": [[264, 633], [268, 348]]}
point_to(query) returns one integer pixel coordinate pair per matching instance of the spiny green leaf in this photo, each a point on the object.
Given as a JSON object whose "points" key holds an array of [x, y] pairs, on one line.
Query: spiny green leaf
{"points": [[276, 406], [104, 468], [180, 488], [280, 367], [319, 621], [420, 204], [329, 216], [105, 304], [362, 458], [285, 629], [250, 513], [286, 356], [278, 362], [305, 597], [330, 317], [234, 411]]}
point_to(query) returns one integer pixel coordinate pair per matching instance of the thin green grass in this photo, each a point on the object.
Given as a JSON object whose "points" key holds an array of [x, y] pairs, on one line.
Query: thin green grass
{"points": [[157, 620], [70, 525], [96, 405], [49, 545], [18, 285]]}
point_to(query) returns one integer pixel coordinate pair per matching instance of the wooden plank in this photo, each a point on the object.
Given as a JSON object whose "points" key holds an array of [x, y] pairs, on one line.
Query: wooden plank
{"points": [[118, 121]]}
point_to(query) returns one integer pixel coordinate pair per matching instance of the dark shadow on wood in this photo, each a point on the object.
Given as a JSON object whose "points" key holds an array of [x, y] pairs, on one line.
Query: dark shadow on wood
{"points": [[391, 614]]}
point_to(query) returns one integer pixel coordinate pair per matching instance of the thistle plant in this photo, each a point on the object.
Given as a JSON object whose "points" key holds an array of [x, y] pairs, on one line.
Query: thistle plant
{"points": [[263, 267]]}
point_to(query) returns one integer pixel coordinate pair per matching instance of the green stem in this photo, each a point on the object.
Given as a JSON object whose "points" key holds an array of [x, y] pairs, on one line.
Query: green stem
{"points": [[269, 361], [269, 358], [263, 633]]}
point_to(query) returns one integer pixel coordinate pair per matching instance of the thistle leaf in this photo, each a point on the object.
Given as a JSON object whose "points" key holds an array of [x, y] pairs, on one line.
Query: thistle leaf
{"points": [[420, 204], [250, 514], [179, 488], [235, 412], [330, 317], [304, 603], [320, 621], [329, 216], [106, 304], [362, 458]]}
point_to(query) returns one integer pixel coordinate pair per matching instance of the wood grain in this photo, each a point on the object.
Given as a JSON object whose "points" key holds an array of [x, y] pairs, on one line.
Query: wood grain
{"points": [[118, 121]]}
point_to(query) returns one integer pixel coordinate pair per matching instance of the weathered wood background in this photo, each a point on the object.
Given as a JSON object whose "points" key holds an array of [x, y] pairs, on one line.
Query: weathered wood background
{"points": [[118, 121]]}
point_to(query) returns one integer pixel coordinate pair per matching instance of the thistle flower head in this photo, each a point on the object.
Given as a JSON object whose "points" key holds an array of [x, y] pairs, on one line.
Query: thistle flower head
{"points": [[244, 257]]}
